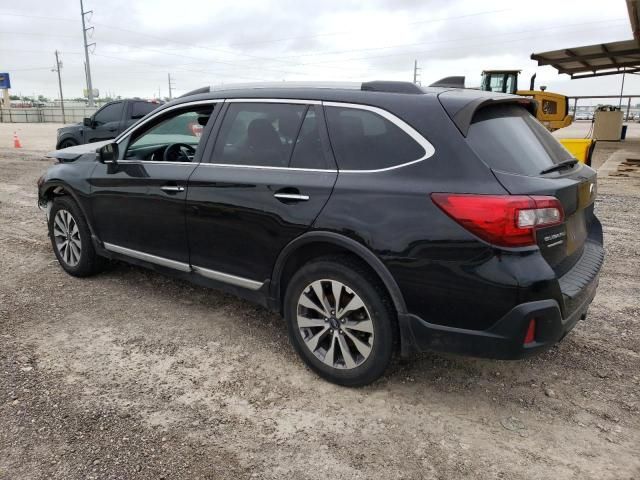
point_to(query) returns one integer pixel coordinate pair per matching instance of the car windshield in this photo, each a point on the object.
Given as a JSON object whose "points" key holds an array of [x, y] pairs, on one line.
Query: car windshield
{"points": [[508, 138]]}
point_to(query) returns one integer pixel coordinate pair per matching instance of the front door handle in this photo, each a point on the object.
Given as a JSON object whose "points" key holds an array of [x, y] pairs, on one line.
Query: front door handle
{"points": [[172, 188], [297, 197]]}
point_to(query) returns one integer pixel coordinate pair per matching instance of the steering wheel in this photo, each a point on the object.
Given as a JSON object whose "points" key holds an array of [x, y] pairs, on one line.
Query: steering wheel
{"points": [[178, 152]]}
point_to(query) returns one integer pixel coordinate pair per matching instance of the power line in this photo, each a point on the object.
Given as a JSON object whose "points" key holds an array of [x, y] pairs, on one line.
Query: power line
{"points": [[165, 66], [282, 59], [329, 61], [261, 42], [493, 35], [5, 14], [204, 60], [350, 32], [405, 53], [28, 69], [34, 34]]}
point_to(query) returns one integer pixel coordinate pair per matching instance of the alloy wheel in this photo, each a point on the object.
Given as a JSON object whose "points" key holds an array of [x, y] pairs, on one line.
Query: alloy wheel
{"points": [[335, 324], [67, 237]]}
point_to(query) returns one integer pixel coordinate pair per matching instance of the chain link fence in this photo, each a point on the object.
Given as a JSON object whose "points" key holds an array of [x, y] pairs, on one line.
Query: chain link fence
{"points": [[45, 114]]}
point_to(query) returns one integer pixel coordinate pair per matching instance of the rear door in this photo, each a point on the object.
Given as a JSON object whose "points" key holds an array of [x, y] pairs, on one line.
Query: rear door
{"points": [[261, 185], [519, 150]]}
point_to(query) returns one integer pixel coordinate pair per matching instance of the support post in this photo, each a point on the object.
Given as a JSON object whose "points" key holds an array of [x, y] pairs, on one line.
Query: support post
{"points": [[60, 86], [86, 56]]}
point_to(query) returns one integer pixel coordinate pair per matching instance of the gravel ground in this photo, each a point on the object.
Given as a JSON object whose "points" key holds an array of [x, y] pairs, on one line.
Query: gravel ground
{"points": [[131, 375]]}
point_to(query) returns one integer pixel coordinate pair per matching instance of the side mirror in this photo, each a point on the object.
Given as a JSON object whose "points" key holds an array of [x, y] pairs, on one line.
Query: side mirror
{"points": [[108, 153], [87, 122]]}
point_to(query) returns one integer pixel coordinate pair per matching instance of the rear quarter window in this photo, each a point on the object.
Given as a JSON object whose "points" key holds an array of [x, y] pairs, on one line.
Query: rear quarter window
{"points": [[508, 138], [364, 140], [140, 109]]}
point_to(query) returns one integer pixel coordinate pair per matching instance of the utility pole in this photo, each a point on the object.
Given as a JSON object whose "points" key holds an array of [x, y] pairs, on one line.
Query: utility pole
{"points": [[86, 54], [57, 69], [415, 72], [170, 86]]}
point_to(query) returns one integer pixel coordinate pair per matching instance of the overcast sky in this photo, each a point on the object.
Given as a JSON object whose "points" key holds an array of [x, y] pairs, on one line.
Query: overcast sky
{"points": [[208, 42]]}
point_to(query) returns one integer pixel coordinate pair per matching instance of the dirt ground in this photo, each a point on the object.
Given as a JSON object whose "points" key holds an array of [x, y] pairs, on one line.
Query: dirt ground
{"points": [[131, 375]]}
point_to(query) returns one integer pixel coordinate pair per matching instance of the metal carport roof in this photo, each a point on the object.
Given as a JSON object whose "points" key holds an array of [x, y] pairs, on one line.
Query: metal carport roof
{"points": [[600, 59]]}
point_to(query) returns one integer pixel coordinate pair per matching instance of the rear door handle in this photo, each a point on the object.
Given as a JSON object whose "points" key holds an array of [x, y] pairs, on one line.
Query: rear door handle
{"points": [[172, 188], [291, 196]]}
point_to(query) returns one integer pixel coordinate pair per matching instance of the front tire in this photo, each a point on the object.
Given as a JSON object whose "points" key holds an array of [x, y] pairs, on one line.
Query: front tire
{"points": [[67, 143], [340, 321], [71, 239]]}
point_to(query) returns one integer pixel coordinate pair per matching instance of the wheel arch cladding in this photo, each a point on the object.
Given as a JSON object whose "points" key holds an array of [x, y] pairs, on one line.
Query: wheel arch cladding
{"points": [[317, 244], [56, 188]]}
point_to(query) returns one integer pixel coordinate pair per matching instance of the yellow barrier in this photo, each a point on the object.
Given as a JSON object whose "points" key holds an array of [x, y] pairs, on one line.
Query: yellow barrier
{"points": [[581, 148]]}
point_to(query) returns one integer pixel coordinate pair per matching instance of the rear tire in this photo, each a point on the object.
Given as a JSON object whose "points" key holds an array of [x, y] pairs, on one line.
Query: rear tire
{"points": [[350, 341], [71, 239]]}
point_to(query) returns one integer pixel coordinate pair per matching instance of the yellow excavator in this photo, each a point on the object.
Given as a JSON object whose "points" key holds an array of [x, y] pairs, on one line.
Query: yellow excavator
{"points": [[553, 108], [552, 111]]}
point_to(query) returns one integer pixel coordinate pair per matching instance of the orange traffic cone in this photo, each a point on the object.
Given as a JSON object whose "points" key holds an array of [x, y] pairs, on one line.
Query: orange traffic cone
{"points": [[16, 141]]}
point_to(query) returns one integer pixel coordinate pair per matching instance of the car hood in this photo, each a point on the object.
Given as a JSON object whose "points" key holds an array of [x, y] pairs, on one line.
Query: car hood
{"points": [[73, 153], [72, 126]]}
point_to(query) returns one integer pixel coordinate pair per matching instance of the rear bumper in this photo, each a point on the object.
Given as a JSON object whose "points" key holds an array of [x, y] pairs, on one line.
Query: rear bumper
{"points": [[505, 339]]}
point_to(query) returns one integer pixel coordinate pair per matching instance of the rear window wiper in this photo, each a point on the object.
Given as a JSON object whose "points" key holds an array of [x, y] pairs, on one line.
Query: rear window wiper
{"points": [[559, 166]]}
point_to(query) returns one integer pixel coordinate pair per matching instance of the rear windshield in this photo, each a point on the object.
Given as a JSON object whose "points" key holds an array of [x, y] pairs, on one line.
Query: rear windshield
{"points": [[510, 139]]}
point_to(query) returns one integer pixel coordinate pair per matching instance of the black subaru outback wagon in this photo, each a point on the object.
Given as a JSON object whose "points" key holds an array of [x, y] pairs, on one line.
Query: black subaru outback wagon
{"points": [[378, 218]]}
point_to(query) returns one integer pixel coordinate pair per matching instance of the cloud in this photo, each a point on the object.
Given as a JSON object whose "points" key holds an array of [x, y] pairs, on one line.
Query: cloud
{"points": [[206, 42]]}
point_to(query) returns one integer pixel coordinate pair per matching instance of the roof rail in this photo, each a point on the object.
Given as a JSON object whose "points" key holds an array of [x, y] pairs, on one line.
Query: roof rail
{"points": [[374, 86], [295, 84], [391, 87]]}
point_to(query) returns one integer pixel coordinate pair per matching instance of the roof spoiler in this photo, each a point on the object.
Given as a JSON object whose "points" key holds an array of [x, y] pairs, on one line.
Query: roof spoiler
{"points": [[462, 106], [450, 82], [196, 92]]}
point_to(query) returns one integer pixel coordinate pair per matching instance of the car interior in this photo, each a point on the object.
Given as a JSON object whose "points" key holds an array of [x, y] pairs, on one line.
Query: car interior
{"points": [[173, 139]]}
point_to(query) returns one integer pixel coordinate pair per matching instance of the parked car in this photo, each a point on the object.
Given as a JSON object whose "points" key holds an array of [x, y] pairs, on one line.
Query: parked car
{"points": [[379, 219], [107, 123]]}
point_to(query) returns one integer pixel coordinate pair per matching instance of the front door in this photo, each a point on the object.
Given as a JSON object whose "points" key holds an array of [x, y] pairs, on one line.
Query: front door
{"points": [[138, 203], [263, 184], [106, 123]]}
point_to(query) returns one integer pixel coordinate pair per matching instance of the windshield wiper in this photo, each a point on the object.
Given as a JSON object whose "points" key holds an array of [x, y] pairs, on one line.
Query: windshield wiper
{"points": [[559, 166]]}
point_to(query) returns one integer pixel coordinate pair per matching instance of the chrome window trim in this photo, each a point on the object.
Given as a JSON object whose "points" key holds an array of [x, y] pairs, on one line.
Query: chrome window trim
{"points": [[185, 267], [428, 148], [156, 162], [137, 126], [228, 278], [295, 101], [408, 129], [259, 167], [148, 257]]}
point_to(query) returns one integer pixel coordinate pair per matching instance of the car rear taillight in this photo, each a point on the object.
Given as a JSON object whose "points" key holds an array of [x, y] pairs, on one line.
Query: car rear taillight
{"points": [[504, 220]]}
